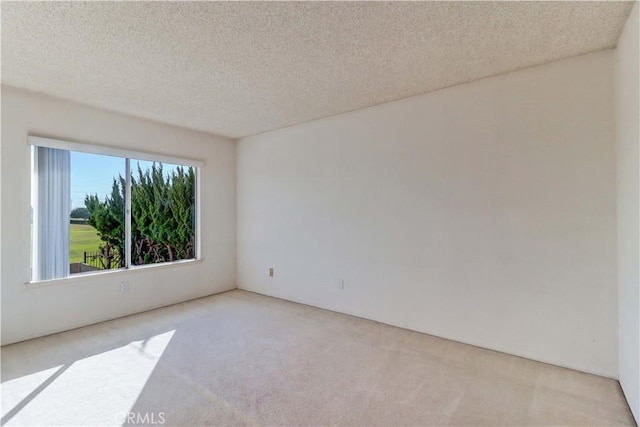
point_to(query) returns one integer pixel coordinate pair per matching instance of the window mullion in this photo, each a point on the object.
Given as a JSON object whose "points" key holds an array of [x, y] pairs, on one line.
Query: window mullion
{"points": [[127, 214]]}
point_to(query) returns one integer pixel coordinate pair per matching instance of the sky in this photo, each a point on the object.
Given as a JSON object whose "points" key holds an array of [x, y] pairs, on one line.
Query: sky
{"points": [[94, 174]]}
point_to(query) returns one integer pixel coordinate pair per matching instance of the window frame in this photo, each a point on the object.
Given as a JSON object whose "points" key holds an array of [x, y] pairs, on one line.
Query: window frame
{"points": [[127, 155]]}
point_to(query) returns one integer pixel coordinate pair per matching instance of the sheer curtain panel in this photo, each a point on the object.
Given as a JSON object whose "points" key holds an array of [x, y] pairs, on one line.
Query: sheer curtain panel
{"points": [[51, 213]]}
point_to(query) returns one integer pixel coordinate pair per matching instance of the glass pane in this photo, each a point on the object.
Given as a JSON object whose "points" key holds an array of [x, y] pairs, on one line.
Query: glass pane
{"points": [[162, 212], [97, 229]]}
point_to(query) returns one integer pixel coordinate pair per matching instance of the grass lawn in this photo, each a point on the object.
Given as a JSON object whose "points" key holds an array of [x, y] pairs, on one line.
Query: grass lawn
{"points": [[82, 238]]}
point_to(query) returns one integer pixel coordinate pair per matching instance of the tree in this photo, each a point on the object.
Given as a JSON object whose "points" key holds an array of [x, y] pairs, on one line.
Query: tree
{"points": [[163, 214], [162, 217], [81, 213], [108, 219]]}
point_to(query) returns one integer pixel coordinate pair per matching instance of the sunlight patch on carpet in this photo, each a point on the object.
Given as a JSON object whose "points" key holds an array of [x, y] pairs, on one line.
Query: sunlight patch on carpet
{"points": [[97, 390]]}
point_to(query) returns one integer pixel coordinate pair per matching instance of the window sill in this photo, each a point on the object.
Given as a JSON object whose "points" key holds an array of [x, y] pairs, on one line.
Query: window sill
{"points": [[76, 277]]}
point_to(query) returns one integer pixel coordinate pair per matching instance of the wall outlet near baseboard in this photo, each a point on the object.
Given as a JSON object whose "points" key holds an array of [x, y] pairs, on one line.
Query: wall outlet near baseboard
{"points": [[124, 287], [271, 272]]}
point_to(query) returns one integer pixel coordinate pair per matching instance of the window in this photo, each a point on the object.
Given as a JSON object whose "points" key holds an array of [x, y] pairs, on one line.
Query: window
{"points": [[162, 213], [108, 209]]}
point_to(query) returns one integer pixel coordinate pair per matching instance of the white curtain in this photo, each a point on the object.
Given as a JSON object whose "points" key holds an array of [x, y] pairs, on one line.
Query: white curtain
{"points": [[51, 216]]}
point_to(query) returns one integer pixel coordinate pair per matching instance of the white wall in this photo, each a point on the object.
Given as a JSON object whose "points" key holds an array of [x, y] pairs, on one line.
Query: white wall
{"points": [[628, 141], [483, 213], [31, 312]]}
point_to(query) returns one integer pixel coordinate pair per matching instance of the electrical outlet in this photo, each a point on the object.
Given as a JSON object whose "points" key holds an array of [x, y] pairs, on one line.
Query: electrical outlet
{"points": [[340, 283], [271, 272], [124, 287]]}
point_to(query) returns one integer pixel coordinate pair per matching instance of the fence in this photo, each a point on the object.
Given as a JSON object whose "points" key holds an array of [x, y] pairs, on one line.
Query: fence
{"points": [[98, 259]]}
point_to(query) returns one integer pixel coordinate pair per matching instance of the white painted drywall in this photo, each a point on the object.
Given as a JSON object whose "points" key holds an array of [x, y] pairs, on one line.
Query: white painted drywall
{"points": [[483, 213], [32, 312], [628, 150]]}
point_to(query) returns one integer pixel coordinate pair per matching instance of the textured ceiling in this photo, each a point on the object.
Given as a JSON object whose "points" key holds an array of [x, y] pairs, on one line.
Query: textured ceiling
{"points": [[238, 69]]}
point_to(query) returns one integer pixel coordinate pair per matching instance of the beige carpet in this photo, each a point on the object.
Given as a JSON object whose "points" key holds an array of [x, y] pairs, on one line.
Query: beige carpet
{"points": [[242, 358]]}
